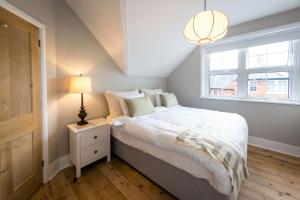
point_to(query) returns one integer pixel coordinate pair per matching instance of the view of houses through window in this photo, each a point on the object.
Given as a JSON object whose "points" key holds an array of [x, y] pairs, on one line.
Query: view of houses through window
{"points": [[267, 71], [272, 85], [223, 85]]}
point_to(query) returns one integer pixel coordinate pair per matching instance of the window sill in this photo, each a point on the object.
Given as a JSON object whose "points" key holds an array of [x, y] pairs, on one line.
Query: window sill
{"points": [[252, 100]]}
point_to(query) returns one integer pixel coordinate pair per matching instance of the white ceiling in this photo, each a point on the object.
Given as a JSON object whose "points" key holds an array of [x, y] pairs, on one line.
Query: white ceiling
{"points": [[155, 41], [144, 37], [240, 11]]}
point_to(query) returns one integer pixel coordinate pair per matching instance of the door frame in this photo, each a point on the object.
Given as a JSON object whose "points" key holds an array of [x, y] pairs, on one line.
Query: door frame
{"points": [[42, 33]]}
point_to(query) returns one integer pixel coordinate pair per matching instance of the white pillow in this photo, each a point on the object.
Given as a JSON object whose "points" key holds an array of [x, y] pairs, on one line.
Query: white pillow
{"points": [[153, 95], [124, 105], [112, 98]]}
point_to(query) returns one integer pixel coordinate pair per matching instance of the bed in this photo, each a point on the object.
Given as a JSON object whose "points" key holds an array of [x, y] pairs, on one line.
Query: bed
{"points": [[149, 144]]}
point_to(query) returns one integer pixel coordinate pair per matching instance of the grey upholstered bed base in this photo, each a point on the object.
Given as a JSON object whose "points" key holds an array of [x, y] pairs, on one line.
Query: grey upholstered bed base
{"points": [[179, 183]]}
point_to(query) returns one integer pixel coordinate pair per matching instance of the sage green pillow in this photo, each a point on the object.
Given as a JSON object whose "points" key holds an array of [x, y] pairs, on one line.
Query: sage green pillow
{"points": [[139, 106], [168, 99]]}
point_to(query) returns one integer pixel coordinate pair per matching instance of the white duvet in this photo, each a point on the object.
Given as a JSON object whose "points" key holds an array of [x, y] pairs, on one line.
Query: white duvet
{"points": [[162, 127]]}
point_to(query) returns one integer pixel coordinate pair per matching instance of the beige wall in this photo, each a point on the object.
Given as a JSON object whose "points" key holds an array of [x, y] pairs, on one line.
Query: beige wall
{"points": [[79, 52], [71, 50], [271, 121]]}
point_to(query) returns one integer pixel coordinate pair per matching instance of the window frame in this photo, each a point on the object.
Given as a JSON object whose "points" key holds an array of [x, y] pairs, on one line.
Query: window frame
{"points": [[243, 73]]}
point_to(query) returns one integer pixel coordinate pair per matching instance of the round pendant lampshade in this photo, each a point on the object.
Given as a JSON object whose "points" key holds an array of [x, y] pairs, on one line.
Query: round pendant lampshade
{"points": [[206, 27]]}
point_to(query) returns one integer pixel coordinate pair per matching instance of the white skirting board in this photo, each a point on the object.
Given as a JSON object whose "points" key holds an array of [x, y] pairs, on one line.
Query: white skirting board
{"points": [[275, 146], [58, 165], [64, 161]]}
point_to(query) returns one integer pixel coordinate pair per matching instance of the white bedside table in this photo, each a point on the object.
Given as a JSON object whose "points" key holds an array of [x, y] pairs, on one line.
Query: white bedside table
{"points": [[89, 143]]}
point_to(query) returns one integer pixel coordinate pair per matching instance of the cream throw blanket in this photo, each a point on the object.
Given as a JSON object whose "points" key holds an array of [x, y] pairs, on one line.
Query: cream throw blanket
{"points": [[225, 154]]}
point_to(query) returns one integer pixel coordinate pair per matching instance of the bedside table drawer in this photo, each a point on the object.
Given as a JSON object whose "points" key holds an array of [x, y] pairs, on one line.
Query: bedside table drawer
{"points": [[94, 152], [93, 136]]}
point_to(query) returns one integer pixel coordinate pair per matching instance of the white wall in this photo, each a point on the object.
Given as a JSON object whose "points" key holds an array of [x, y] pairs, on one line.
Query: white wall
{"points": [[270, 121]]}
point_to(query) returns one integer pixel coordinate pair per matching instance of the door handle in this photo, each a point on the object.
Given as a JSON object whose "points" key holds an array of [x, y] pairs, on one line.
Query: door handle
{"points": [[3, 171]]}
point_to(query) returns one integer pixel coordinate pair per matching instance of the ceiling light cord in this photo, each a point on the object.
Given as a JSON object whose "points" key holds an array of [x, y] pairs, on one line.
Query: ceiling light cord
{"points": [[204, 5]]}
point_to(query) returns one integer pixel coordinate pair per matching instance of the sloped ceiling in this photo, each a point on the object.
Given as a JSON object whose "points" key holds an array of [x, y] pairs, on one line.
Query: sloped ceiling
{"points": [[104, 19], [144, 37]]}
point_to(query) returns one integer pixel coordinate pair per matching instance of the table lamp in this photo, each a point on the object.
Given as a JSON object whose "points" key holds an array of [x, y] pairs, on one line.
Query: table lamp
{"points": [[80, 85]]}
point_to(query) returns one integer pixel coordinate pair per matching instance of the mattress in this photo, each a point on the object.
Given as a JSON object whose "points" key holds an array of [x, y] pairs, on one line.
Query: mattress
{"points": [[173, 158], [156, 133]]}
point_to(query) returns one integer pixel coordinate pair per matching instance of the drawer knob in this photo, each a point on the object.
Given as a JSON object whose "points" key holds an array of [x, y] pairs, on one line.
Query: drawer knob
{"points": [[95, 137], [95, 151]]}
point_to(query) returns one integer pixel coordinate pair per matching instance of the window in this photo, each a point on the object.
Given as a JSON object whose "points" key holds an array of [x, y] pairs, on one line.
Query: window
{"points": [[252, 84], [270, 85], [263, 72], [270, 55], [224, 60], [223, 85]]}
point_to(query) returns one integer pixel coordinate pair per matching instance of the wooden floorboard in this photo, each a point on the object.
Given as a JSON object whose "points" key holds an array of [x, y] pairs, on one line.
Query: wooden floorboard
{"points": [[102, 184], [273, 176]]}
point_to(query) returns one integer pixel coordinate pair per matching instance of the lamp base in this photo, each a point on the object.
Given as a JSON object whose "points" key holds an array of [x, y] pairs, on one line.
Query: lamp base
{"points": [[81, 123], [82, 114]]}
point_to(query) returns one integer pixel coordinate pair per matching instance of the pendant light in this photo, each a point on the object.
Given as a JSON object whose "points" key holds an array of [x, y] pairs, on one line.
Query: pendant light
{"points": [[206, 26]]}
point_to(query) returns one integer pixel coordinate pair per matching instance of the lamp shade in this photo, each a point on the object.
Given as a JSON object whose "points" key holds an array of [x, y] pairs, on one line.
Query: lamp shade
{"points": [[206, 27], [80, 84]]}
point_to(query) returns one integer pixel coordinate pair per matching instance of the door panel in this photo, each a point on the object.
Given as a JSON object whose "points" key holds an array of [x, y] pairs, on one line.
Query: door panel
{"points": [[20, 121], [5, 172], [22, 162], [17, 94], [4, 76], [20, 77]]}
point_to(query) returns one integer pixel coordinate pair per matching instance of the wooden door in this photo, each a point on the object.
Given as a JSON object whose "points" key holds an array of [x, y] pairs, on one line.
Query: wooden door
{"points": [[20, 108]]}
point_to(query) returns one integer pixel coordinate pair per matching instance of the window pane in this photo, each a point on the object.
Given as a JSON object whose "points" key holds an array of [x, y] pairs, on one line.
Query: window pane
{"points": [[224, 60], [223, 85], [271, 85], [270, 55]]}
